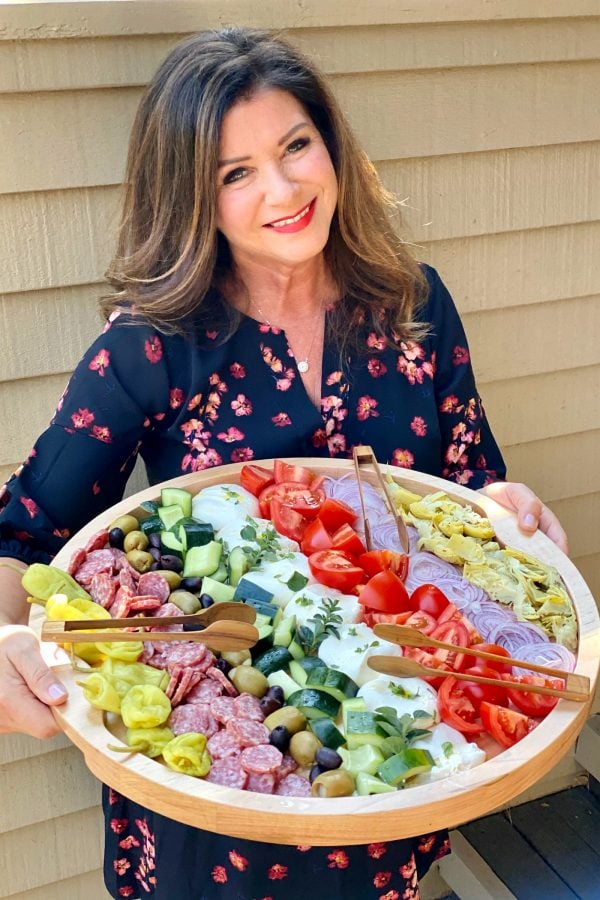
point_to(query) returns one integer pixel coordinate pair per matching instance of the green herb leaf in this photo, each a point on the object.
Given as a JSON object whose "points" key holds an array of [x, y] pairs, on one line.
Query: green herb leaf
{"points": [[448, 749], [297, 582]]}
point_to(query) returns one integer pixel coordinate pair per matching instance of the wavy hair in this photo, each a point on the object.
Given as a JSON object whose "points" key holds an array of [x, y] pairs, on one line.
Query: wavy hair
{"points": [[170, 258]]}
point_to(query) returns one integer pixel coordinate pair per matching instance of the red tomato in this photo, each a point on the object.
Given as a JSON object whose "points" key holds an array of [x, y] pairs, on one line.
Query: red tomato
{"points": [[505, 725], [490, 663], [291, 493], [287, 521], [255, 478], [429, 599], [429, 660], [451, 633], [345, 538], [335, 569], [380, 560], [479, 692], [533, 704], [451, 613], [422, 621], [455, 707], [376, 618], [335, 513], [316, 537], [385, 593], [283, 472]]}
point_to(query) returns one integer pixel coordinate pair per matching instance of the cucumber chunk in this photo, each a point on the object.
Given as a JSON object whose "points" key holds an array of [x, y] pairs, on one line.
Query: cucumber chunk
{"points": [[404, 765], [204, 560], [177, 497], [169, 516], [221, 593], [369, 784], [314, 704]]}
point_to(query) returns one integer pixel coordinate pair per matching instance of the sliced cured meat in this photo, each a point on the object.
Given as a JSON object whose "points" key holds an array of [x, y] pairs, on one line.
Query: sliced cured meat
{"points": [[223, 680], [127, 580], [262, 784], [76, 561], [176, 673], [187, 680], [103, 588], [98, 541], [293, 786], [205, 691], [228, 772], [262, 760], [221, 745], [288, 765], [223, 708], [144, 602], [122, 603], [95, 562], [193, 717], [185, 654], [248, 733], [208, 661], [156, 586], [248, 707]]}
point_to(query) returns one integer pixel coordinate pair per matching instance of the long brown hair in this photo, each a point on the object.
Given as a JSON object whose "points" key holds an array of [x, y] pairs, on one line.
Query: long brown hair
{"points": [[170, 257]]}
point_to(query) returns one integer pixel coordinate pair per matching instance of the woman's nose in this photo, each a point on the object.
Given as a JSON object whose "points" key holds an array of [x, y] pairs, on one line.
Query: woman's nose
{"points": [[278, 186]]}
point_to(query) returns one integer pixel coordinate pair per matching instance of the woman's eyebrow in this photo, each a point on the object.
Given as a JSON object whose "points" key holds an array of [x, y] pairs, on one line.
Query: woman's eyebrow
{"points": [[286, 136]]}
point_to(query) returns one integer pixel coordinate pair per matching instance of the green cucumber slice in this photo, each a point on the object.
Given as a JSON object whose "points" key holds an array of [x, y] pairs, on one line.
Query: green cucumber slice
{"points": [[284, 631], [404, 765], [333, 682], [283, 680], [362, 728], [170, 544], [325, 730], [239, 564], [298, 673], [193, 533], [204, 560], [362, 759], [221, 593], [271, 660], [151, 525], [177, 497], [314, 704], [369, 784], [169, 516]]}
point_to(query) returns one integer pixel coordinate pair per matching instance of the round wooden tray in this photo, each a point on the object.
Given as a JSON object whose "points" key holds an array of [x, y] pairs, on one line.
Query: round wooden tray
{"points": [[354, 820]]}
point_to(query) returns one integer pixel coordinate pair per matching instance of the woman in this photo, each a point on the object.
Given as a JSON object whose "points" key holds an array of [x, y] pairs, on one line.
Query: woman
{"points": [[263, 306]]}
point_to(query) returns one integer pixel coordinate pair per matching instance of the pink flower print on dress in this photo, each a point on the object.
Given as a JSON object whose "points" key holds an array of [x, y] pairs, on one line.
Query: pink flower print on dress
{"points": [[194, 402], [391, 895], [375, 342], [100, 362], [30, 505], [83, 418], [281, 419], [277, 872], [126, 891], [231, 435], [338, 860], [273, 362], [319, 438], [336, 444], [463, 477], [366, 408], [121, 865], [241, 405], [411, 350], [403, 458], [102, 433], [334, 378], [237, 370], [410, 370], [212, 335], [382, 879], [450, 404], [238, 861], [419, 426], [153, 349], [129, 842], [219, 874], [176, 397], [118, 825], [460, 356], [242, 454], [376, 368], [376, 851]]}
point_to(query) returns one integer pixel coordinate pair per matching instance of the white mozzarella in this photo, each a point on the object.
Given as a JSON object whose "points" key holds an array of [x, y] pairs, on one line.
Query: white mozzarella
{"points": [[231, 535], [349, 653], [273, 576], [305, 603], [223, 503], [451, 751], [405, 695]]}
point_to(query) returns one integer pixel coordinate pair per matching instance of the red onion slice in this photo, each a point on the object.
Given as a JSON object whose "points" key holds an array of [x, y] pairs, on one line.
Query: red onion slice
{"points": [[554, 655]]}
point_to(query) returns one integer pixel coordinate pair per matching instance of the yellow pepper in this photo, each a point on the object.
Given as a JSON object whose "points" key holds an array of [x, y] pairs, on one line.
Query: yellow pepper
{"points": [[126, 651], [100, 693], [60, 608], [124, 675], [43, 581], [149, 741], [187, 753], [145, 706]]}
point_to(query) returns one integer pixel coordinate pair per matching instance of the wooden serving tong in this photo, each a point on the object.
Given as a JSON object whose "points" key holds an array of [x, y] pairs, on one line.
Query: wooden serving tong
{"points": [[223, 626], [577, 687], [362, 456]]}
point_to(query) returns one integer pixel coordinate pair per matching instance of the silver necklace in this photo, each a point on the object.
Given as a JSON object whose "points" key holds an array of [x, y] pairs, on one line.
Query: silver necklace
{"points": [[303, 365]]}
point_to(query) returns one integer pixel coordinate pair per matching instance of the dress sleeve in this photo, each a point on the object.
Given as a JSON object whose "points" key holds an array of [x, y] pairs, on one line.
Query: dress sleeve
{"points": [[470, 454], [79, 466]]}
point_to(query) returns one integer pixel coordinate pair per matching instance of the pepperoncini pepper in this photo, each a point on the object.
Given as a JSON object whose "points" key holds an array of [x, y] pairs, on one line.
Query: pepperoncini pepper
{"points": [[59, 607], [100, 693], [149, 741], [187, 753], [126, 651], [124, 675], [145, 706], [43, 581]]}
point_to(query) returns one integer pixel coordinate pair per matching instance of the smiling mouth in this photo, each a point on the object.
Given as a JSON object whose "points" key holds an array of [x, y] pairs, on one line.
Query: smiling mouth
{"points": [[281, 223]]}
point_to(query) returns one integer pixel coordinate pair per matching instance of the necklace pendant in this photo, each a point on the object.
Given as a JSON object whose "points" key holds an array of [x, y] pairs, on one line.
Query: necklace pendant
{"points": [[303, 366]]}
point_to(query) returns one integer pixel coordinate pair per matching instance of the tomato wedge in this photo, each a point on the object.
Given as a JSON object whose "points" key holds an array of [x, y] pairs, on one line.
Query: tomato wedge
{"points": [[335, 569], [499, 651], [255, 478], [385, 593], [533, 704], [380, 560], [316, 537], [377, 618], [455, 707], [300, 498], [283, 472], [428, 598], [422, 621], [451, 613], [335, 513], [287, 521], [505, 725], [452, 632], [345, 538], [477, 693]]}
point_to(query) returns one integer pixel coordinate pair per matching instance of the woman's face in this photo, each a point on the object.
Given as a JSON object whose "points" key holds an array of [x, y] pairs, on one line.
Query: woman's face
{"points": [[277, 189]]}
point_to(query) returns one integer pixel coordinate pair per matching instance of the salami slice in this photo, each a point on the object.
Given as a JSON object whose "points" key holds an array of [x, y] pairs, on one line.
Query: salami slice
{"points": [[223, 680], [95, 562], [262, 760], [76, 561], [102, 589], [248, 733], [248, 707], [187, 680], [221, 745], [185, 654], [228, 772], [98, 541], [288, 765], [154, 585], [205, 691], [144, 602], [122, 603], [193, 717], [293, 786], [208, 661], [127, 580], [262, 784], [223, 709]]}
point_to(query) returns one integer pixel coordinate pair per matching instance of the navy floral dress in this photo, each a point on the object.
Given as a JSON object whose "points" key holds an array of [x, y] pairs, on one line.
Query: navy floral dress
{"points": [[187, 403]]}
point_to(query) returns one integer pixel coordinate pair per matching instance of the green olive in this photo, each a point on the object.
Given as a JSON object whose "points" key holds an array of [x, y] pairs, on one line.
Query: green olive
{"points": [[334, 783], [140, 560], [289, 716], [173, 579], [237, 657], [135, 540], [188, 603], [249, 681], [304, 746], [125, 523]]}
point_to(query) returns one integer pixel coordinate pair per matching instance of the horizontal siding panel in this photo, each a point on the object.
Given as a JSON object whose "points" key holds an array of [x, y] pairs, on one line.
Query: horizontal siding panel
{"points": [[36, 320], [15, 747], [530, 340], [557, 468], [496, 271], [38, 396], [543, 406], [120, 61], [580, 517], [589, 566], [82, 887], [41, 788], [502, 190]]}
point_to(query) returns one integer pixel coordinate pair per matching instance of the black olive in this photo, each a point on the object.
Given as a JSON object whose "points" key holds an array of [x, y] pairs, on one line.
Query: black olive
{"points": [[315, 772], [116, 537], [206, 600], [328, 758], [269, 704], [198, 626], [155, 567], [223, 666], [154, 553], [280, 738], [276, 692], [154, 539], [192, 584], [171, 563]]}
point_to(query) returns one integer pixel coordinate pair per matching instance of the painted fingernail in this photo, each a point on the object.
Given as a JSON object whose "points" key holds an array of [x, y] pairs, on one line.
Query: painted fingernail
{"points": [[529, 521], [56, 691]]}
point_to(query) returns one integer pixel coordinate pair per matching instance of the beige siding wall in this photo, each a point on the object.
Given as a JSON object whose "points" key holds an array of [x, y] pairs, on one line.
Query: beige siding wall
{"points": [[482, 117]]}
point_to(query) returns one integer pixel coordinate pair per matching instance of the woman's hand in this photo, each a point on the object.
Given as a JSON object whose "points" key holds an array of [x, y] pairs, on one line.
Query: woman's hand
{"points": [[29, 687], [531, 512]]}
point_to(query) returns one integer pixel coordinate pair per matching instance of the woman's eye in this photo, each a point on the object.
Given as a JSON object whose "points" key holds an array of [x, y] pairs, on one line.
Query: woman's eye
{"points": [[298, 144], [234, 175]]}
